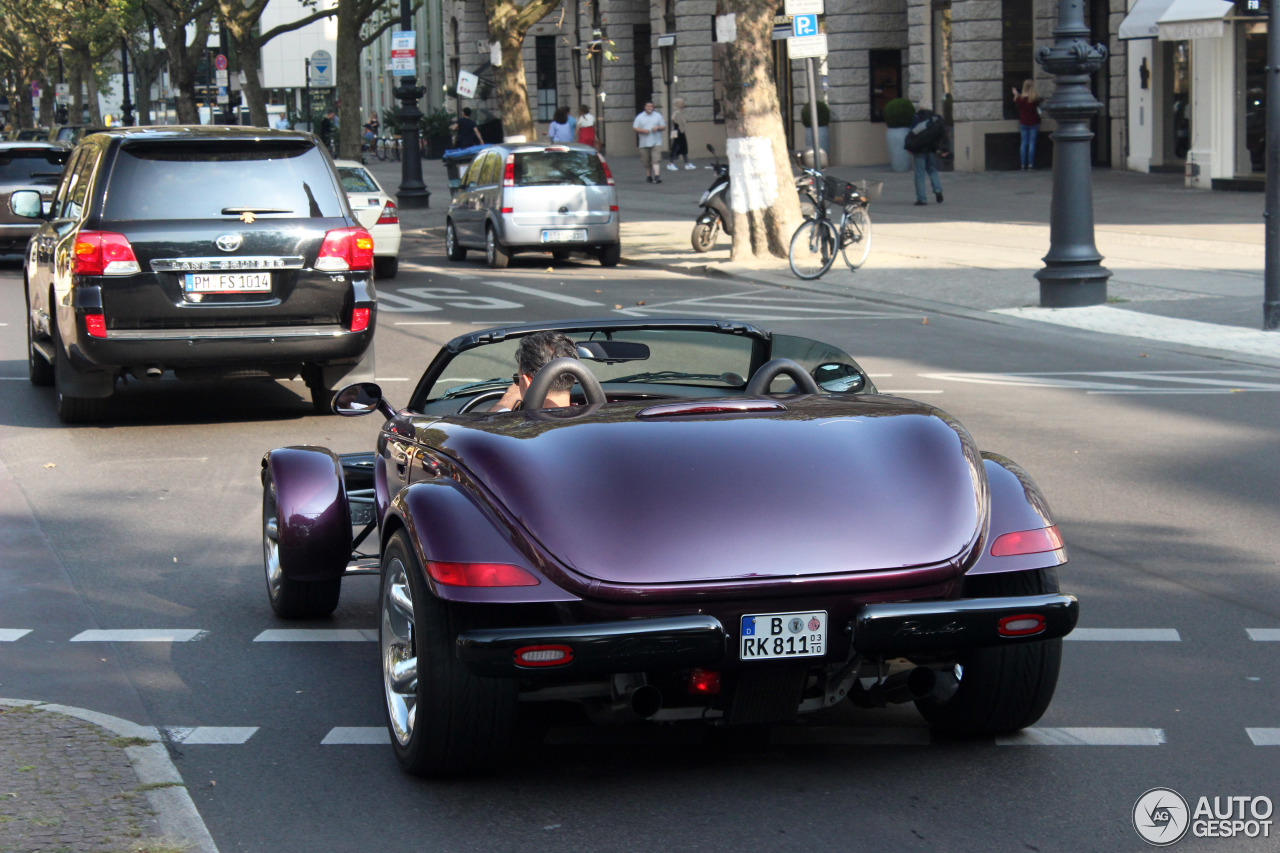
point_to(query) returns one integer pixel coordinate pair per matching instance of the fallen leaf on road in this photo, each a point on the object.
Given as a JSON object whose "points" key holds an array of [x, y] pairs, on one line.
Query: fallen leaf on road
{"points": [[551, 269], [641, 302], [617, 307], [51, 464], [924, 322]]}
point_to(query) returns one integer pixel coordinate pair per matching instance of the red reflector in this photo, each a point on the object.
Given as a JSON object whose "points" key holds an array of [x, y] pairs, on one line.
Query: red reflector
{"points": [[1022, 625], [1027, 542], [359, 319], [346, 249], [95, 325], [613, 208], [103, 253], [543, 655], [390, 215], [479, 574], [508, 210], [704, 682]]}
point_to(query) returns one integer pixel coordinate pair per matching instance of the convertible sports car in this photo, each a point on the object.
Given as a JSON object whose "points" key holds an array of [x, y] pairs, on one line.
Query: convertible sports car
{"points": [[728, 526]]}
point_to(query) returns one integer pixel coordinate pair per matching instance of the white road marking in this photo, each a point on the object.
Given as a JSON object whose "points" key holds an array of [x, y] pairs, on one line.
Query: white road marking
{"points": [[8, 635], [210, 735], [139, 635], [1126, 635], [357, 736], [835, 736], [907, 392], [1264, 635], [1264, 737], [317, 635], [13, 379], [388, 301], [555, 297], [1128, 381], [1083, 736], [424, 323]]}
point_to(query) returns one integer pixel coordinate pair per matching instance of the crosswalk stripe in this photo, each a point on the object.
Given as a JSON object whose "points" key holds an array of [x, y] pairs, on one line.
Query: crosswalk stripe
{"points": [[1126, 635], [8, 635], [356, 736], [1264, 737], [139, 635], [1083, 736], [317, 635], [210, 735], [1264, 635]]}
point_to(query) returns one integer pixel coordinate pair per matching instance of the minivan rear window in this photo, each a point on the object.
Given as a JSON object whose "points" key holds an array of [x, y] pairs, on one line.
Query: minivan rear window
{"points": [[552, 168], [177, 179], [31, 165]]}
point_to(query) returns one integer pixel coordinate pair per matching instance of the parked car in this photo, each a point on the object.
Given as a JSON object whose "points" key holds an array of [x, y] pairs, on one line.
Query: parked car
{"points": [[376, 211], [29, 134], [71, 134], [729, 528], [524, 197], [26, 166], [210, 252]]}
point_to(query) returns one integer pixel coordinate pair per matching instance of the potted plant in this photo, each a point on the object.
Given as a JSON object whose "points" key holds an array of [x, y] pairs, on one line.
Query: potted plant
{"points": [[897, 122], [824, 119], [434, 128]]}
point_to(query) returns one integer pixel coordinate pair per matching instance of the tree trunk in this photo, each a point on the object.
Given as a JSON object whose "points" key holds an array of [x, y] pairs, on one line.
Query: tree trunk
{"points": [[183, 59], [765, 204], [249, 55], [75, 112], [48, 96], [509, 22], [347, 77], [91, 86]]}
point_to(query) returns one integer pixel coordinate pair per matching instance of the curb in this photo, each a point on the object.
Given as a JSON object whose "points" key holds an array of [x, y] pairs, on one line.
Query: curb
{"points": [[175, 811]]}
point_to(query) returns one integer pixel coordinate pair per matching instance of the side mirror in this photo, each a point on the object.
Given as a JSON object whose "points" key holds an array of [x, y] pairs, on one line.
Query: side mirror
{"points": [[361, 399], [27, 203], [838, 378]]}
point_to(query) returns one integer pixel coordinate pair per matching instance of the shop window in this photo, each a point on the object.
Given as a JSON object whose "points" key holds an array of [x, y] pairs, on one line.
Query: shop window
{"points": [[642, 50], [1019, 49], [545, 74], [886, 80]]}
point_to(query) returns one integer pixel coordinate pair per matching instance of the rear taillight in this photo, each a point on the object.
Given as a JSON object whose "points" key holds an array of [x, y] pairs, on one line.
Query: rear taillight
{"points": [[95, 325], [359, 319], [479, 574], [509, 171], [346, 250], [608, 175], [1027, 542], [704, 682], [390, 215], [103, 253]]}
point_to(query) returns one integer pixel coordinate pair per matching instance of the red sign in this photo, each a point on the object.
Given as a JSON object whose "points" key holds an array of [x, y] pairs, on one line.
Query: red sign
{"points": [[220, 62]]}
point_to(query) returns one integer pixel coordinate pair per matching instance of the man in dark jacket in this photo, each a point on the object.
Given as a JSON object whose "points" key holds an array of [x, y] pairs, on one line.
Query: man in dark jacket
{"points": [[927, 141]]}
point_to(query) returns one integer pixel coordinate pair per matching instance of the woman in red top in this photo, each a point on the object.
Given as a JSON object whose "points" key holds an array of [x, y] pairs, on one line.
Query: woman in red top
{"points": [[1028, 104]]}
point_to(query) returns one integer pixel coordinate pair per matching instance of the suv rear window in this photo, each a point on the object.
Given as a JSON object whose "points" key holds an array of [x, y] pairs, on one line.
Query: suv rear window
{"points": [[543, 168], [174, 179], [31, 166]]}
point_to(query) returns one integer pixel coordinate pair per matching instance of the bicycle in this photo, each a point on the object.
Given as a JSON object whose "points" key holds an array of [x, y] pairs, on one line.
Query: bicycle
{"points": [[388, 148], [818, 239]]}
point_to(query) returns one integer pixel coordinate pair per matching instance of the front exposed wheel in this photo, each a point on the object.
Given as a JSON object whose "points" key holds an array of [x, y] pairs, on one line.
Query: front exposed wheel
{"points": [[290, 599], [855, 238], [813, 248], [1002, 689], [443, 719], [704, 235]]}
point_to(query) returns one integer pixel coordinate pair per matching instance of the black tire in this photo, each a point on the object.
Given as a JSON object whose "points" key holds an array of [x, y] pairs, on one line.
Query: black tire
{"points": [[443, 719], [72, 410], [704, 235], [495, 254], [386, 267], [855, 238], [813, 248], [39, 371], [452, 247], [1003, 689], [321, 399], [610, 254], [291, 599]]}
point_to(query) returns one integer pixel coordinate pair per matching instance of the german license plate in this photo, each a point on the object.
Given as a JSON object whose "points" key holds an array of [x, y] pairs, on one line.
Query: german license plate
{"points": [[767, 636], [227, 282], [564, 235]]}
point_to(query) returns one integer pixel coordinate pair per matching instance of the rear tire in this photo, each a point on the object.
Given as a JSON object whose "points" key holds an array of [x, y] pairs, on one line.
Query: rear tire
{"points": [[610, 255], [452, 247], [72, 410], [291, 599], [495, 254], [1002, 689], [704, 235], [386, 267]]}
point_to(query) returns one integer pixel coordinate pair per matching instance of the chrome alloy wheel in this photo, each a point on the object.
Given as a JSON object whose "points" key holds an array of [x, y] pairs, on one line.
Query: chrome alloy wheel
{"points": [[450, 240], [399, 653], [271, 543], [490, 247]]}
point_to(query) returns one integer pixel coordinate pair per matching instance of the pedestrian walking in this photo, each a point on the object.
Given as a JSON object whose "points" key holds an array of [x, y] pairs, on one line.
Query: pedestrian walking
{"points": [[586, 126], [679, 141], [560, 130], [649, 126], [465, 132], [1028, 104], [927, 141], [327, 126]]}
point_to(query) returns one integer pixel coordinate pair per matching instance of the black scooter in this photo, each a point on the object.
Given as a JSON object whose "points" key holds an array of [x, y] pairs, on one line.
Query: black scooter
{"points": [[716, 213]]}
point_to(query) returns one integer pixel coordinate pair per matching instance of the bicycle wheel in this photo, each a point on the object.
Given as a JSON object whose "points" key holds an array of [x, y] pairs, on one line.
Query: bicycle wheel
{"points": [[813, 248], [380, 148], [855, 237]]}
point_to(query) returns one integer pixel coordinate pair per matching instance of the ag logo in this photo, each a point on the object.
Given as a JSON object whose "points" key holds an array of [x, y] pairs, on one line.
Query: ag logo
{"points": [[1161, 817]]}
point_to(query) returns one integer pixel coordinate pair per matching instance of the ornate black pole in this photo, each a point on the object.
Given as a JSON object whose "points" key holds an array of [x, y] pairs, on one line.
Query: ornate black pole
{"points": [[1271, 228], [412, 192], [1073, 274], [127, 106]]}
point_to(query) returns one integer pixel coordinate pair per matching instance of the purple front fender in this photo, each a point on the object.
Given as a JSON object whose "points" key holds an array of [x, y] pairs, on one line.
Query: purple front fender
{"points": [[313, 521]]}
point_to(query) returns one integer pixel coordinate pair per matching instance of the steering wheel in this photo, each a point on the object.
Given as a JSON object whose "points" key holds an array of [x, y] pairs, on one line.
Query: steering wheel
{"points": [[553, 370], [771, 370]]}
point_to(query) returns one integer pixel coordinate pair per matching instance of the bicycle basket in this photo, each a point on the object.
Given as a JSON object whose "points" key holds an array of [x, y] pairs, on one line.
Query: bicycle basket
{"points": [[838, 192]]}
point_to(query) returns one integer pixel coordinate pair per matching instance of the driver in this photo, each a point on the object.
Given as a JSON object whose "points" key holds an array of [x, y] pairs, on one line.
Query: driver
{"points": [[534, 352]]}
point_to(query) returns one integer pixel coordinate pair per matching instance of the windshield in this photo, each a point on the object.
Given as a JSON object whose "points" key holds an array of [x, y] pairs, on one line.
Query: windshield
{"points": [[356, 180], [31, 165]]}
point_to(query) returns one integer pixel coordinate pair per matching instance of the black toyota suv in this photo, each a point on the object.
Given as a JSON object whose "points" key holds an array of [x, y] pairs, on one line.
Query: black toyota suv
{"points": [[213, 252]]}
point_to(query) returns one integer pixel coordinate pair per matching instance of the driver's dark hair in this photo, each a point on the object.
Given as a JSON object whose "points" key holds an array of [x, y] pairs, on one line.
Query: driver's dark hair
{"points": [[536, 350]]}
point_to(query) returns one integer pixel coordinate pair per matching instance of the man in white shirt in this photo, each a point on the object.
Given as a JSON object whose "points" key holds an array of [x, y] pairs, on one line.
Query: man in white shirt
{"points": [[649, 126]]}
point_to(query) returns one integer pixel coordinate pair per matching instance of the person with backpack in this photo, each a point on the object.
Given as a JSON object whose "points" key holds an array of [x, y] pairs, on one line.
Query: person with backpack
{"points": [[927, 141]]}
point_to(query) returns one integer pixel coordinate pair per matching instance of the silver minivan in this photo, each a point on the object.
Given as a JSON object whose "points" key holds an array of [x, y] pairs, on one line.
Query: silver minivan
{"points": [[535, 197]]}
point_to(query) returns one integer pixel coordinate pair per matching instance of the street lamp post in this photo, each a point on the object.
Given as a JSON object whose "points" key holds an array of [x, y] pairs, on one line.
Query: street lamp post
{"points": [[127, 106], [412, 191], [1073, 274], [1271, 232]]}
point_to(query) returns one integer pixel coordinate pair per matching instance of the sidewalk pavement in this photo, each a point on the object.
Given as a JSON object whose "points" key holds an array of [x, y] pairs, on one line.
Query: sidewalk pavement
{"points": [[1186, 264]]}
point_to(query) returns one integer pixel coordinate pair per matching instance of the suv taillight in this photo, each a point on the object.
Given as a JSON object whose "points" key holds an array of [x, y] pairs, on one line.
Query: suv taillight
{"points": [[390, 215], [346, 250], [103, 253], [509, 171], [608, 176]]}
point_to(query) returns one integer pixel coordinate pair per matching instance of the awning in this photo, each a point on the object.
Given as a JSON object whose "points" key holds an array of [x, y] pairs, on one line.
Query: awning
{"points": [[1140, 23], [1194, 19]]}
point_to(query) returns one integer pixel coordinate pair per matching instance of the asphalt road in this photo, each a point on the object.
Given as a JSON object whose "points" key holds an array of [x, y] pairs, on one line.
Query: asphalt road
{"points": [[1161, 467]]}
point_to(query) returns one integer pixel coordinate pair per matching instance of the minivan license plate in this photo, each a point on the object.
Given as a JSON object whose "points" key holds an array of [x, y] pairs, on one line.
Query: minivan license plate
{"points": [[228, 282], [564, 235], [767, 636]]}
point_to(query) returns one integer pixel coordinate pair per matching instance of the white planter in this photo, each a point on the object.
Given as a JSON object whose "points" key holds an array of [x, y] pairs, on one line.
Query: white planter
{"points": [[900, 158]]}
